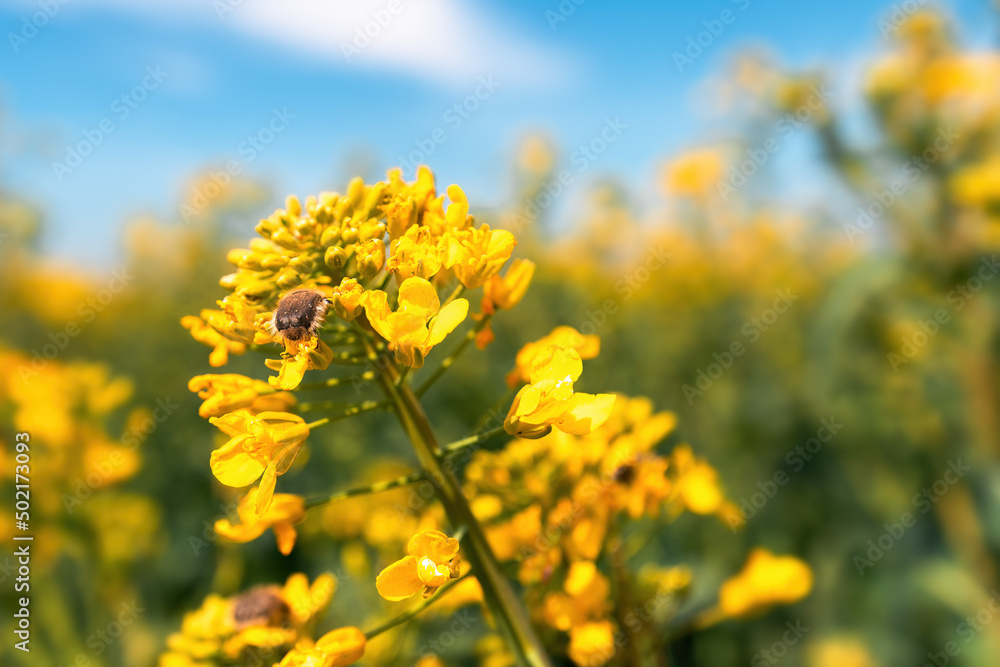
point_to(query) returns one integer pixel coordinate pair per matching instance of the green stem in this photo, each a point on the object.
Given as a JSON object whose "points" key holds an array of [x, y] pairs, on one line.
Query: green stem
{"points": [[367, 376], [364, 490], [497, 592], [405, 616], [367, 406], [347, 359], [447, 362], [471, 441]]}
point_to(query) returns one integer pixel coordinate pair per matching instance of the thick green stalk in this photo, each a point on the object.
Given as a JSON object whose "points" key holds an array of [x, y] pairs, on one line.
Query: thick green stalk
{"points": [[497, 591]]}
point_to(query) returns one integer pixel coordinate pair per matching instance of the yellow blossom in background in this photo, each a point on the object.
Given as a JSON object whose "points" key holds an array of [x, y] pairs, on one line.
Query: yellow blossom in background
{"points": [[337, 648], [765, 580], [535, 155], [840, 651], [585, 597], [549, 399], [642, 487], [260, 445], [979, 185], [587, 347], [431, 560], [418, 324], [592, 644], [285, 511], [695, 173], [265, 617], [697, 482], [492, 651]]}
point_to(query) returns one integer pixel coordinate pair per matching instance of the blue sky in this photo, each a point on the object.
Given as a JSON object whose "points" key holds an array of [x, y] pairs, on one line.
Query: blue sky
{"points": [[226, 65]]}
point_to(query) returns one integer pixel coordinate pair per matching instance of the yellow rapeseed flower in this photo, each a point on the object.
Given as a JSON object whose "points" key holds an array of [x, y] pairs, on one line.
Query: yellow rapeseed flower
{"points": [[285, 511], [415, 254], [587, 347], [418, 324], [260, 446], [475, 255], [431, 560], [549, 399]]}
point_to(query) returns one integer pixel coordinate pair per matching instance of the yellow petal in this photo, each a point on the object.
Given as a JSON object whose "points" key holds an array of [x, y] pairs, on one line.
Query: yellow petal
{"points": [[450, 317], [399, 580], [234, 466], [586, 412], [240, 532], [432, 544], [557, 362], [284, 535], [265, 492], [418, 297]]}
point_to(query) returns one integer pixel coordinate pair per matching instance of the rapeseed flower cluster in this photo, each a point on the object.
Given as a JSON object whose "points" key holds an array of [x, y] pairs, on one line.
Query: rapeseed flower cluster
{"points": [[377, 279]]}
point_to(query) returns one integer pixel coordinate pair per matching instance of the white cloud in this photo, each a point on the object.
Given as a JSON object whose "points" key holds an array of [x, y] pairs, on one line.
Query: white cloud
{"points": [[441, 40]]}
